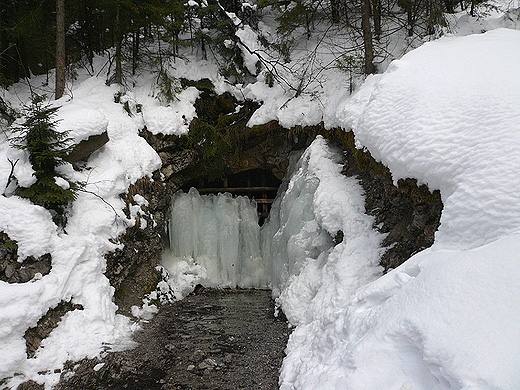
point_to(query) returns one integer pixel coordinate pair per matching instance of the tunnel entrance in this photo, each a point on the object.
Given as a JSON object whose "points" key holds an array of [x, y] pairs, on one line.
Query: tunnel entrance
{"points": [[259, 185]]}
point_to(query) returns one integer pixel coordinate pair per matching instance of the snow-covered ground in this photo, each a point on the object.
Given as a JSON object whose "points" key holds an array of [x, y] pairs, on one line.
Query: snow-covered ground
{"points": [[77, 255], [447, 114]]}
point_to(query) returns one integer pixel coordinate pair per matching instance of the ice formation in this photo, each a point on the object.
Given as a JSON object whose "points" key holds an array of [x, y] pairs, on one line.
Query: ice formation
{"points": [[216, 241], [220, 234]]}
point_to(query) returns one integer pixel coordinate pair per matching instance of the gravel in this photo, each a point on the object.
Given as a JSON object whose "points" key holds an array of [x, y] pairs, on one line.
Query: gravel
{"points": [[213, 339]]}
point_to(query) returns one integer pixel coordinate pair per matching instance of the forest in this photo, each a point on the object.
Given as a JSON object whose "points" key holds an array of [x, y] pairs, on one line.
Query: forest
{"points": [[37, 36]]}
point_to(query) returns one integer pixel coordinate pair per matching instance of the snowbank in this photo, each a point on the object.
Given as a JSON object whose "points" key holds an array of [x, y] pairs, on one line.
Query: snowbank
{"points": [[81, 122], [446, 319], [447, 114], [78, 254]]}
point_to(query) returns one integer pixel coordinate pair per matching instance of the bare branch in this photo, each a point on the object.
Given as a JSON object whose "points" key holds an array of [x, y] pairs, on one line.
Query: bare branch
{"points": [[116, 215], [11, 178]]}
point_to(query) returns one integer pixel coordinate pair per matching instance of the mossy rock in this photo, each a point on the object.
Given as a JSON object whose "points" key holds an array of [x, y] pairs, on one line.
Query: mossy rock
{"points": [[211, 107], [13, 271], [204, 84]]}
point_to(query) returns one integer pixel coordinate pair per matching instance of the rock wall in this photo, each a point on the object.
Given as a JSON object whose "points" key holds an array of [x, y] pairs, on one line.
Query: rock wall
{"points": [[408, 213]]}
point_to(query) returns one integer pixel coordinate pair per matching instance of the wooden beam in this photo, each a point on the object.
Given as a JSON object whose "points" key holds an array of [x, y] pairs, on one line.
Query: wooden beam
{"points": [[237, 189], [264, 201]]}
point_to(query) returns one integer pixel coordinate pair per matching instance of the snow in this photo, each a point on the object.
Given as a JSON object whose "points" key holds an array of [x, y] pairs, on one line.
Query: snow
{"points": [[446, 114], [463, 333], [173, 119], [22, 221], [249, 38], [81, 122], [277, 105], [437, 117]]}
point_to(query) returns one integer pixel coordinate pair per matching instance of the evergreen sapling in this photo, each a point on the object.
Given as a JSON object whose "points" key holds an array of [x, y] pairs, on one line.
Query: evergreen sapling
{"points": [[47, 148]]}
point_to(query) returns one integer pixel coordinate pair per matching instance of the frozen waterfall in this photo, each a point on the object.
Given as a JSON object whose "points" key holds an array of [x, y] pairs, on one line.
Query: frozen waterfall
{"points": [[217, 237], [215, 240]]}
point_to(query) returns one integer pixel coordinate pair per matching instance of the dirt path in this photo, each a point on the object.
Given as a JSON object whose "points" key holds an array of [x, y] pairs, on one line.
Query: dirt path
{"points": [[211, 340]]}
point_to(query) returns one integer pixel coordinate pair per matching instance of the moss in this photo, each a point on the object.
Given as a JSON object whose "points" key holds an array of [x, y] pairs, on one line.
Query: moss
{"points": [[363, 160], [211, 107], [226, 121], [210, 144], [202, 85], [11, 245]]}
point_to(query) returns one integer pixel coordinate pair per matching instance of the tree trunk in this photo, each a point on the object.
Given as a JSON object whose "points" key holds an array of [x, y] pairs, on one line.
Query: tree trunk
{"points": [[88, 30], [410, 20], [308, 24], [1, 42], [334, 11], [413, 13], [118, 39], [60, 49], [367, 37], [135, 49]]}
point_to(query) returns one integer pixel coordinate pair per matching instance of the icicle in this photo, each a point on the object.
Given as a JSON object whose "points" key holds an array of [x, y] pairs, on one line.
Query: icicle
{"points": [[221, 234]]}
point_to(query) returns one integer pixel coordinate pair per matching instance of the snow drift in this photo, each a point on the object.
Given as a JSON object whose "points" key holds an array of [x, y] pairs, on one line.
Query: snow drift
{"points": [[448, 115]]}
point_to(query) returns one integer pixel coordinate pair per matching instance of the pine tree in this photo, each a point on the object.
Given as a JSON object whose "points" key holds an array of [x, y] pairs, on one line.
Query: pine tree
{"points": [[46, 147]]}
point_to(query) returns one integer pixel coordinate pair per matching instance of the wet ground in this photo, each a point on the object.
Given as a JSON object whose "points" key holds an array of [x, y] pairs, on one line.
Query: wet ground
{"points": [[214, 339]]}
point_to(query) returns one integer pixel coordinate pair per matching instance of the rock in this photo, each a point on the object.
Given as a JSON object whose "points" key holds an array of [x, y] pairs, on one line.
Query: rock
{"points": [[207, 364], [408, 213], [83, 150], [30, 385], [12, 271], [34, 336], [132, 269], [228, 358], [178, 160], [198, 356]]}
